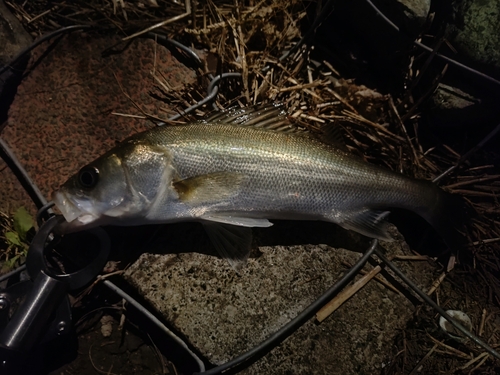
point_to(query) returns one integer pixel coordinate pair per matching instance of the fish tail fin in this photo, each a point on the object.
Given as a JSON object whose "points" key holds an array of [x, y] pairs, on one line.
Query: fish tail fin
{"points": [[449, 217]]}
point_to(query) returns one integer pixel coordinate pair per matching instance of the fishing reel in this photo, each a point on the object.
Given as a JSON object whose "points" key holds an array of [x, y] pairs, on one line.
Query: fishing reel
{"points": [[37, 312]]}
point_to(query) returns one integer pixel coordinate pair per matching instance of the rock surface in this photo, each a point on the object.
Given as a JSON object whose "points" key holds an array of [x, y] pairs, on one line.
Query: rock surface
{"points": [[64, 113], [409, 14], [451, 98], [452, 106], [13, 39], [474, 32], [223, 314]]}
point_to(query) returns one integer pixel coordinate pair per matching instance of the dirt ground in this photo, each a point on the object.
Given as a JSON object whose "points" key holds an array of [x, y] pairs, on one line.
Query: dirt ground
{"points": [[107, 348]]}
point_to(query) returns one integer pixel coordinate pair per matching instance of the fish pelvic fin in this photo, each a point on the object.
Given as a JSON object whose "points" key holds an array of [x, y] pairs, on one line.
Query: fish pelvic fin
{"points": [[368, 222], [232, 242], [228, 218]]}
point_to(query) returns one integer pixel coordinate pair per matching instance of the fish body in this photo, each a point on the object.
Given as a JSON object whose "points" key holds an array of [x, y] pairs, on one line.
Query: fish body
{"points": [[230, 174]]}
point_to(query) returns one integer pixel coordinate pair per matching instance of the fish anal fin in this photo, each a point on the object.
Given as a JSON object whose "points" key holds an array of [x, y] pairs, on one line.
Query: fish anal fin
{"points": [[232, 242], [228, 218], [370, 223], [209, 187]]}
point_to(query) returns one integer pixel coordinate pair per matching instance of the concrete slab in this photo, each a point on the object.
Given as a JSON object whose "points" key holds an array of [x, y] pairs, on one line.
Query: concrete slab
{"points": [[223, 314]]}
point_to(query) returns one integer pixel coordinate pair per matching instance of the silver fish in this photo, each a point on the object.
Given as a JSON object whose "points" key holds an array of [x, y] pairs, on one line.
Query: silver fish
{"points": [[236, 170]]}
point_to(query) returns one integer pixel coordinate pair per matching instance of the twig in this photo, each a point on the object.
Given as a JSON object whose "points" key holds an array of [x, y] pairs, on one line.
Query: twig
{"points": [[98, 279], [347, 293], [164, 84], [484, 242], [313, 94], [436, 283], [127, 115], [238, 35], [479, 364], [419, 364], [378, 279], [134, 103], [408, 140], [450, 349], [123, 317], [472, 151], [163, 23], [451, 151], [159, 355], [327, 104], [474, 360], [302, 86], [373, 124], [411, 257], [42, 14], [481, 325], [480, 168], [425, 95], [95, 367], [312, 118], [474, 181], [154, 54], [342, 100], [330, 66], [424, 67], [474, 193]]}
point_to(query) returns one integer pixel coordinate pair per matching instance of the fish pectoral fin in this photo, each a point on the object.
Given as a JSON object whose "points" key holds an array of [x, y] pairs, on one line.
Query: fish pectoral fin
{"points": [[232, 242], [370, 223], [236, 220], [209, 187]]}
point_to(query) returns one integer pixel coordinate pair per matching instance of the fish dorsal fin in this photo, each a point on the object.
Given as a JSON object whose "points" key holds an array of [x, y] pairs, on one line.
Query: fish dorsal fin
{"points": [[209, 187], [274, 117], [331, 134], [262, 116], [232, 242], [371, 223]]}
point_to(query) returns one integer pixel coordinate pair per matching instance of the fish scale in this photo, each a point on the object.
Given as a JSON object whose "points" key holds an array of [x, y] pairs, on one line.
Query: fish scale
{"points": [[230, 175], [297, 173]]}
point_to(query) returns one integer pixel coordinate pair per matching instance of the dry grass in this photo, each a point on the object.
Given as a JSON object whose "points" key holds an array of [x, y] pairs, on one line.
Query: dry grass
{"points": [[250, 37]]}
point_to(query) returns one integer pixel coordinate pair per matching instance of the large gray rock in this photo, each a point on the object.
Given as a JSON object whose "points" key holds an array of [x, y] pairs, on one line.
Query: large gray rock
{"points": [[451, 106], [222, 313], [13, 39], [410, 14], [12, 34], [416, 11], [451, 98], [475, 31]]}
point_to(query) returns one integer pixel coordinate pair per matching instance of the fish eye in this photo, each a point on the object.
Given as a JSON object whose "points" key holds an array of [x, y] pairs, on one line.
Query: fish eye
{"points": [[88, 176]]}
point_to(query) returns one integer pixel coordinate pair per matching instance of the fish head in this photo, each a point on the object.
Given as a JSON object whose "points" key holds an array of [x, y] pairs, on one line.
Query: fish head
{"points": [[118, 188]]}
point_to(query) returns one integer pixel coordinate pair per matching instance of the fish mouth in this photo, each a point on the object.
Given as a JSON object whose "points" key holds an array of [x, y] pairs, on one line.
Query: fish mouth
{"points": [[77, 213]]}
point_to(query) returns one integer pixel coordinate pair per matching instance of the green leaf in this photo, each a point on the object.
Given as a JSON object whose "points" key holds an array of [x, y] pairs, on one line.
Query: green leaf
{"points": [[13, 238], [12, 262], [23, 222]]}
